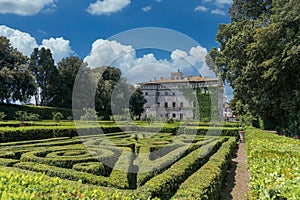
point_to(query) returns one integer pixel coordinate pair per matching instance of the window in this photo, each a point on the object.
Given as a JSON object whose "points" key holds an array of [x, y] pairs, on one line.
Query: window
{"points": [[181, 104], [158, 94], [158, 104], [181, 116], [166, 104], [167, 115], [174, 104], [174, 115], [166, 93], [173, 93], [146, 93]]}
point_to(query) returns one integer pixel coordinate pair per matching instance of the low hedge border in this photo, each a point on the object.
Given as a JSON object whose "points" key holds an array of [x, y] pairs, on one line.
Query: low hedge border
{"points": [[20, 184], [8, 134], [206, 183], [164, 185]]}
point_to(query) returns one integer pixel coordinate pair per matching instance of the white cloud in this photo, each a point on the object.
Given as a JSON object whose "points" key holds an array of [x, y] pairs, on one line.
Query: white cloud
{"points": [[112, 53], [146, 8], [218, 12], [223, 2], [24, 42], [107, 7], [201, 8], [60, 48], [25, 7], [158, 0]]}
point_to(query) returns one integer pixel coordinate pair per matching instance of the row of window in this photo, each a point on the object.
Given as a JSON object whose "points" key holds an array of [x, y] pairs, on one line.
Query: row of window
{"points": [[173, 104], [174, 115], [166, 93]]}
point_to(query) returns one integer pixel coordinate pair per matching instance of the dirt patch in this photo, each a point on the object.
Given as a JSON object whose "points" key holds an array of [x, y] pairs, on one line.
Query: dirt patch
{"points": [[236, 183]]}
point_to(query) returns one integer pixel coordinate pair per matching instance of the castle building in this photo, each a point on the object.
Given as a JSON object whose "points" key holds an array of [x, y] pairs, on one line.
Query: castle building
{"points": [[175, 97]]}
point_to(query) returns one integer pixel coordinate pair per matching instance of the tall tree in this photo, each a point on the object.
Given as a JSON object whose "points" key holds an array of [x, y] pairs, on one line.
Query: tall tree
{"points": [[16, 81], [109, 77], [136, 103], [259, 55], [67, 72], [43, 67]]}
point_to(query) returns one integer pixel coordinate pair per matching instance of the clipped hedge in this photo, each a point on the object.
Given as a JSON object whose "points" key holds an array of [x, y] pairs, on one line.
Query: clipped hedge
{"points": [[43, 111], [9, 134], [165, 184], [18, 184], [274, 165], [207, 181]]}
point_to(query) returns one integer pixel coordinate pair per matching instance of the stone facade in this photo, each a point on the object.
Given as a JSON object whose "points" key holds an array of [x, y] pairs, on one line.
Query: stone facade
{"points": [[175, 97]]}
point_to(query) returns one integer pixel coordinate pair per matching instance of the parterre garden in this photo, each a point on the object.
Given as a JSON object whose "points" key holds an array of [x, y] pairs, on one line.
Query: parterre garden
{"points": [[143, 162]]}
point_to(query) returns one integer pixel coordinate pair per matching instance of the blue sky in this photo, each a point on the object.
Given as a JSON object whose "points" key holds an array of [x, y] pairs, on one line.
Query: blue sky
{"points": [[75, 27]]}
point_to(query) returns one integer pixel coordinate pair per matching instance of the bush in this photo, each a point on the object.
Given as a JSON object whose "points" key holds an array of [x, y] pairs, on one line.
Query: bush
{"points": [[57, 116], [33, 117], [89, 114], [21, 115], [2, 116]]}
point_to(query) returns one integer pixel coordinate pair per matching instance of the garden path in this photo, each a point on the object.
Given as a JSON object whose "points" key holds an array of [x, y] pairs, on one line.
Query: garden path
{"points": [[236, 183]]}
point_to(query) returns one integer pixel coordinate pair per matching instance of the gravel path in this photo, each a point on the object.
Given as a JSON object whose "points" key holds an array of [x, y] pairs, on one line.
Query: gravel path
{"points": [[236, 183]]}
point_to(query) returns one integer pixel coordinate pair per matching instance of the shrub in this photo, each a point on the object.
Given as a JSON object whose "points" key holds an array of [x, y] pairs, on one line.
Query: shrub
{"points": [[89, 114], [2, 116], [21, 115], [57, 116], [33, 117]]}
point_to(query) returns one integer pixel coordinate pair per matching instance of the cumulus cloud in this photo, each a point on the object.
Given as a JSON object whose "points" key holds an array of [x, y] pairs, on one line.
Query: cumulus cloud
{"points": [[25, 7], [59, 47], [218, 12], [223, 2], [107, 7], [24, 42], [146, 8], [201, 8], [137, 69]]}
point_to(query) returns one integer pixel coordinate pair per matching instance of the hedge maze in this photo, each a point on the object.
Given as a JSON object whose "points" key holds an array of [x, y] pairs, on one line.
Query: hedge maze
{"points": [[140, 165]]}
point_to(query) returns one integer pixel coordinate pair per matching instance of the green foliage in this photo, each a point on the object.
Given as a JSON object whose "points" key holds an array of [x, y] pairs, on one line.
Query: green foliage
{"points": [[39, 186], [57, 116], [67, 72], [2, 116], [45, 73], [206, 183], [136, 103], [21, 116], [33, 117], [89, 114], [274, 165], [43, 111], [259, 55], [16, 80]]}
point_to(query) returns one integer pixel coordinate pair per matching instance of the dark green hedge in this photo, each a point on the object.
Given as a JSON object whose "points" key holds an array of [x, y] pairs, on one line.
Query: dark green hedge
{"points": [[8, 134], [165, 184], [43, 111], [206, 183]]}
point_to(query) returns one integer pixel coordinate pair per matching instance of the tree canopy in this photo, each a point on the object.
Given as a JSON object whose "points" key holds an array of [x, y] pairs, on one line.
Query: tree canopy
{"points": [[259, 56], [16, 81]]}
